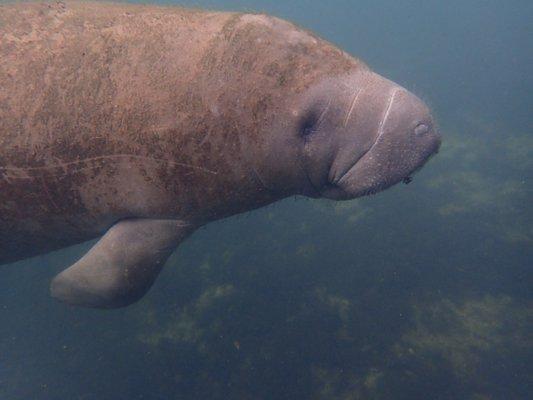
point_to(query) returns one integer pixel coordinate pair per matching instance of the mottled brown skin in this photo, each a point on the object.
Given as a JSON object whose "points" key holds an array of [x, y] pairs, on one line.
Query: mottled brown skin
{"points": [[111, 112], [104, 116]]}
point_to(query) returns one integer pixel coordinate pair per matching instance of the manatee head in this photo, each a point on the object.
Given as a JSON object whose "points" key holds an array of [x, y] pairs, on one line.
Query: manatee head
{"points": [[360, 134]]}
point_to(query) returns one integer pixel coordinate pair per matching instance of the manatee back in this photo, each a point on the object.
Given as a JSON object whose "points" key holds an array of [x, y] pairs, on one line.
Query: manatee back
{"points": [[85, 112]]}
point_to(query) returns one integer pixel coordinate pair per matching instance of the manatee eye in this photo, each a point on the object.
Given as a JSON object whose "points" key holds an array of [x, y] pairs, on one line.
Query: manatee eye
{"points": [[309, 124], [308, 129], [313, 117]]}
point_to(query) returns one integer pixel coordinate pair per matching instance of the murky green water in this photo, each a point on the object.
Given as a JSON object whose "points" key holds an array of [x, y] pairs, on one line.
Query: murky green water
{"points": [[421, 292]]}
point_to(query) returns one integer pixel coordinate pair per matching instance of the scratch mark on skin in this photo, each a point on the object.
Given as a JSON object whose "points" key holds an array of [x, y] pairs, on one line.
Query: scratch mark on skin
{"points": [[50, 197], [352, 106], [381, 130], [386, 116], [85, 160], [321, 118], [260, 180], [204, 139]]}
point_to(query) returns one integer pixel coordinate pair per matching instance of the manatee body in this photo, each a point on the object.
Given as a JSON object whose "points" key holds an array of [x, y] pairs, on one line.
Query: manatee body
{"points": [[138, 124]]}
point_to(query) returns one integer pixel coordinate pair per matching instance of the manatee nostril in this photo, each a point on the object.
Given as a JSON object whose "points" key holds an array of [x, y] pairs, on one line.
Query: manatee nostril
{"points": [[421, 129]]}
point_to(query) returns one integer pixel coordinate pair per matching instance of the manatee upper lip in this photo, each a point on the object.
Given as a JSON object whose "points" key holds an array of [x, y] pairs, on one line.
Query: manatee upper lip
{"points": [[381, 185], [337, 181], [335, 184], [381, 131]]}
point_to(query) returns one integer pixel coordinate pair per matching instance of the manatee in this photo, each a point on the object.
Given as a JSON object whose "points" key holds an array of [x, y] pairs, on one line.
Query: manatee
{"points": [[139, 124]]}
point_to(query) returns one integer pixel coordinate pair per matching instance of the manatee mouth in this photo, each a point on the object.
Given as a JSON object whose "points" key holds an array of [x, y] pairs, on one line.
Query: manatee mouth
{"points": [[373, 173], [335, 190], [338, 180], [375, 188]]}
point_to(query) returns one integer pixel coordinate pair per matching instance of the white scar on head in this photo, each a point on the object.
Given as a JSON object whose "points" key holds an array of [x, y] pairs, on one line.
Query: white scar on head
{"points": [[352, 106], [324, 112], [386, 115]]}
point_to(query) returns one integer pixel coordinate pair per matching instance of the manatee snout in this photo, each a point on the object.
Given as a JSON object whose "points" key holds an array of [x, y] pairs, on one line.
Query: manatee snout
{"points": [[406, 139], [376, 134]]}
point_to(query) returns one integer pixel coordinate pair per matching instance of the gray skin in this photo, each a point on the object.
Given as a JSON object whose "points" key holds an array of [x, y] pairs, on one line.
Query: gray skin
{"points": [[139, 124]]}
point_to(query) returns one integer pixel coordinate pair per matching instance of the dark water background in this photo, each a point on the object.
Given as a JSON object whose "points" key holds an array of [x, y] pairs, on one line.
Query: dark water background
{"points": [[422, 292]]}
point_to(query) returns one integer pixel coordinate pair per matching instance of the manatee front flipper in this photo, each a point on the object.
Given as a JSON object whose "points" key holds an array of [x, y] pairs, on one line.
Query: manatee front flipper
{"points": [[120, 268]]}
